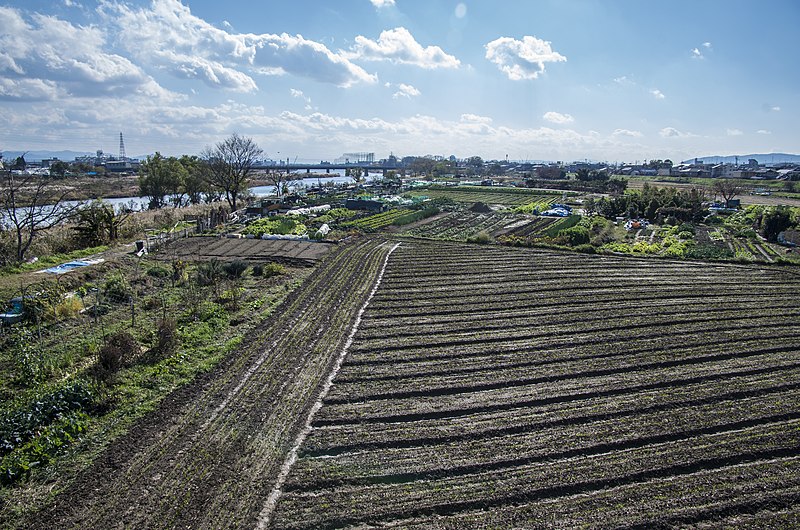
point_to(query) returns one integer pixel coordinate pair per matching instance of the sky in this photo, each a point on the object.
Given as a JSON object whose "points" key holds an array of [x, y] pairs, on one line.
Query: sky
{"points": [[604, 80]]}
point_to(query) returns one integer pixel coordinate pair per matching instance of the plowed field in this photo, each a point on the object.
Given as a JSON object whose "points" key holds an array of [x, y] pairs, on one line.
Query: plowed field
{"points": [[522, 388]]}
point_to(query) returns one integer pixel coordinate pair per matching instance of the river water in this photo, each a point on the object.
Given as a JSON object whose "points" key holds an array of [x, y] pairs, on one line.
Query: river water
{"points": [[140, 203]]}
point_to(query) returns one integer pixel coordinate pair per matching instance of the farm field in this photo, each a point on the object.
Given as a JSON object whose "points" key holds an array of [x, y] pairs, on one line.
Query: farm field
{"points": [[209, 454], [498, 387], [227, 249], [462, 225], [488, 195]]}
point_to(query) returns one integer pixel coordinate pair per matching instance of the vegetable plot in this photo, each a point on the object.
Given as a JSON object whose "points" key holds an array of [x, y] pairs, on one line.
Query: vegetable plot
{"points": [[211, 452], [491, 386]]}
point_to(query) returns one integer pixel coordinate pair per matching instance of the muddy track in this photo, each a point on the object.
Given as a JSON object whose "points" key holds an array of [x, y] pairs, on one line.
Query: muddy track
{"points": [[210, 455]]}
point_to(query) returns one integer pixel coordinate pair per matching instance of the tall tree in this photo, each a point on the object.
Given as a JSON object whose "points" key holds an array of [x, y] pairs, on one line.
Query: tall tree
{"points": [[29, 205], [195, 183], [160, 177], [230, 165], [727, 189]]}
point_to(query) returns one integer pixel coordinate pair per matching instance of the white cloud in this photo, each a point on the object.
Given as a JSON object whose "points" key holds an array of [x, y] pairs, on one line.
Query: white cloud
{"points": [[382, 3], [46, 57], [461, 10], [399, 46], [298, 94], [168, 36], [623, 80], [522, 59], [474, 118], [626, 133], [775, 109], [672, 132], [763, 131], [733, 132], [698, 53], [657, 94], [557, 117], [406, 91]]}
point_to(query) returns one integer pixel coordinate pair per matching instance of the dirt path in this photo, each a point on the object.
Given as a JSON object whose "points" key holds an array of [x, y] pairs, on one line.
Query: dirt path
{"points": [[209, 456]]}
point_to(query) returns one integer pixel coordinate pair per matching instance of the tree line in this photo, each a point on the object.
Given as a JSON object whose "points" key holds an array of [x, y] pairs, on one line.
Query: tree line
{"points": [[31, 205], [221, 171]]}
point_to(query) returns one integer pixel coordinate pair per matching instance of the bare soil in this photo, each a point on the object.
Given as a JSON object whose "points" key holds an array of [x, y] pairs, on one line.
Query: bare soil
{"points": [[254, 250]]}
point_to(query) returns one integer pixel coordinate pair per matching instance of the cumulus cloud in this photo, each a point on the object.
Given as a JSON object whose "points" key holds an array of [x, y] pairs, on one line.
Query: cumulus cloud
{"points": [[406, 91], [522, 59], [45, 57], [382, 3], [672, 132], [474, 118], [399, 46], [557, 117], [733, 132], [657, 94], [763, 131], [697, 54], [168, 36], [626, 132]]}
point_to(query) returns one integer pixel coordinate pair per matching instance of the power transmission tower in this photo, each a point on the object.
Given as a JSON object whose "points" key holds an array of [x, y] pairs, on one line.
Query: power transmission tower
{"points": [[122, 148]]}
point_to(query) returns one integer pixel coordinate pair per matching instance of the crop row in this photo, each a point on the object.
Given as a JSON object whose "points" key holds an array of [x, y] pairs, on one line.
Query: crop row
{"points": [[503, 450], [533, 227], [760, 494], [516, 381], [377, 221], [510, 418], [459, 226], [540, 480]]}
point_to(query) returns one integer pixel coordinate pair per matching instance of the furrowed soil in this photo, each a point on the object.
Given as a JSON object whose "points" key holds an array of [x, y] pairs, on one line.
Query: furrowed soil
{"points": [[211, 453], [489, 387]]}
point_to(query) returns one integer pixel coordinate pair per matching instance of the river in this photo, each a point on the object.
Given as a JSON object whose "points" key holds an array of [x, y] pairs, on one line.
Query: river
{"points": [[140, 203]]}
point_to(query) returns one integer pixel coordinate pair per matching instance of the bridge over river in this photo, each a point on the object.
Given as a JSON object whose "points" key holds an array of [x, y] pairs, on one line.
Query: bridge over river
{"points": [[367, 167]]}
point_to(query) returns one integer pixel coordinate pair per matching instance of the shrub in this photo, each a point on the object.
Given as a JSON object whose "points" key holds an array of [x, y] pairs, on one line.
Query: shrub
{"points": [[269, 270], [118, 350], [117, 288], [158, 271], [209, 272], [577, 235], [481, 238], [235, 269], [68, 308], [166, 340]]}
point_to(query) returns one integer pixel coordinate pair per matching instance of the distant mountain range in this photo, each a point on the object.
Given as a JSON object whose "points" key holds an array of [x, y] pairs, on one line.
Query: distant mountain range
{"points": [[771, 158]]}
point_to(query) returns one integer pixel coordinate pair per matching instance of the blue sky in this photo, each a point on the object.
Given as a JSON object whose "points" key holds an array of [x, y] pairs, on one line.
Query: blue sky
{"points": [[613, 80]]}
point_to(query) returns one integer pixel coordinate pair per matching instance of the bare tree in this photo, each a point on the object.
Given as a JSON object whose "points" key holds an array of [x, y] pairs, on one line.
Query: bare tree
{"points": [[728, 189], [30, 204], [230, 164], [280, 180]]}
